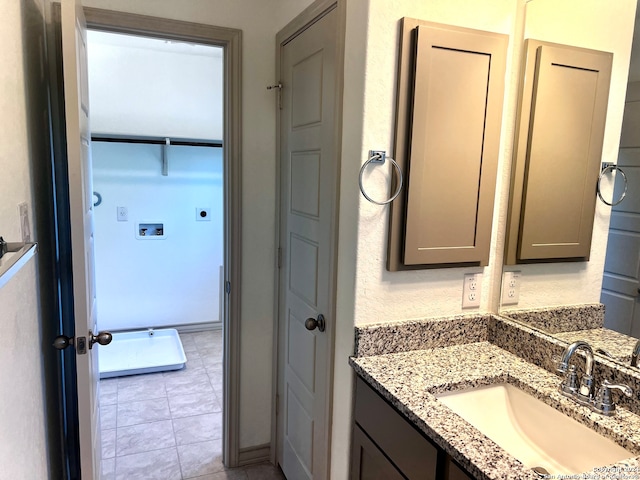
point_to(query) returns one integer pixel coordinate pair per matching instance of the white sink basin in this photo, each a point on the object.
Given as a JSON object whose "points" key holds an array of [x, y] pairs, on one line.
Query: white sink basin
{"points": [[532, 431]]}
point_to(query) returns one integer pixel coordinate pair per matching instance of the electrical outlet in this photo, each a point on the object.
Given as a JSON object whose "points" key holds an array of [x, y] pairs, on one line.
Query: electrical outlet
{"points": [[471, 290], [203, 214], [510, 288], [25, 226], [123, 214]]}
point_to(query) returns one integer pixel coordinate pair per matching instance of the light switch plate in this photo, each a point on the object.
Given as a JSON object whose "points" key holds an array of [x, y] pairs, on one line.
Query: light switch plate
{"points": [[471, 290], [25, 226]]}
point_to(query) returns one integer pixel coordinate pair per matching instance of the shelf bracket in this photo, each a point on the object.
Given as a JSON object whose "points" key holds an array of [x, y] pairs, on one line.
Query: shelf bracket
{"points": [[165, 157]]}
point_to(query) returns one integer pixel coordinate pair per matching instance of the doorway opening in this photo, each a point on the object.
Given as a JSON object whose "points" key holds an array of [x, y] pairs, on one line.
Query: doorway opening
{"points": [[158, 188]]}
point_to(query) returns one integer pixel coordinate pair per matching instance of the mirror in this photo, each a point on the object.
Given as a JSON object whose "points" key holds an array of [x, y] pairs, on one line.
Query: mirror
{"points": [[604, 26]]}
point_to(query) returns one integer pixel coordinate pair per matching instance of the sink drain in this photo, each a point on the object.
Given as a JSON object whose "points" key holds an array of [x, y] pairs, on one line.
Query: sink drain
{"points": [[542, 472]]}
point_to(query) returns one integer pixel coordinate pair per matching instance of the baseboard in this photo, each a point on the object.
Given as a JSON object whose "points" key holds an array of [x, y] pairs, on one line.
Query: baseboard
{"points": [[198, 327], [253, 455]]}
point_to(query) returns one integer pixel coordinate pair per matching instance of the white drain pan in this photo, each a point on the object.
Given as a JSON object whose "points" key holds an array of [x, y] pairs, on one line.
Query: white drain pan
{"points": [[146, 351]]}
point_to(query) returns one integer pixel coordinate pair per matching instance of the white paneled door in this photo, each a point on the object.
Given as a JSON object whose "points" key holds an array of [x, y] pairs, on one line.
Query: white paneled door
{"points": [[307, 201], [76, 100]]}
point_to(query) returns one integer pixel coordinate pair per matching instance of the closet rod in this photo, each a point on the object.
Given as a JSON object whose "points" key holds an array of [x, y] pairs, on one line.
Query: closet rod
{"points": [[156, 141]]}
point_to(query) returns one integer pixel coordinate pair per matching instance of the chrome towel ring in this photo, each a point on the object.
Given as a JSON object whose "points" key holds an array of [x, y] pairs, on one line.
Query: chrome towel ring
{"points": [[378, 157], [610, 167]]}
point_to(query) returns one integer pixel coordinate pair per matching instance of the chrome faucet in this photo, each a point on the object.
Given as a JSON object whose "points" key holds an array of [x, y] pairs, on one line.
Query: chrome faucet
{"points": [[584, 393], [600, 403], [635, 355]]}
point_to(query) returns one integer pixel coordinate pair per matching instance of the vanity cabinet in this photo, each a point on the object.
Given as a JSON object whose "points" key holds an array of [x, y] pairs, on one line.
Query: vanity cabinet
{"points": [[449, 110], [386, 446], [560, 129]]}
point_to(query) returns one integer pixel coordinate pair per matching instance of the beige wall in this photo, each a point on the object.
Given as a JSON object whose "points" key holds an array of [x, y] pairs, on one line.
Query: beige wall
{"points": [[598, 25], [366, 291], [23, 446]]}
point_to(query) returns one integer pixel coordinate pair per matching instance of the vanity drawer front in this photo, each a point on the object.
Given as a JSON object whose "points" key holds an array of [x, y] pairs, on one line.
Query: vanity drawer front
{"points": [[414, 455]]}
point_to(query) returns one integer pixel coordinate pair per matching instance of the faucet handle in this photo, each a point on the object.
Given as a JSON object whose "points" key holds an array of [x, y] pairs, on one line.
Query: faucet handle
{"points": [[603, 402]]}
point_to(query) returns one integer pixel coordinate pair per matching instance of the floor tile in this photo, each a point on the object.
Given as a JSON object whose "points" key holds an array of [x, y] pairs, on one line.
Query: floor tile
{"points": [[144, 437], [209, 338], [234, 474], [264, 472], [145, 411], [108, 391], [193, 404], [108, 469], [213, 351], [197, 429], [108, 415], [177, 413], [141, 387], [200, 459], [108, 438], [188, 384], [215, 376], [156, 465], [192, 355], [192, 367]]}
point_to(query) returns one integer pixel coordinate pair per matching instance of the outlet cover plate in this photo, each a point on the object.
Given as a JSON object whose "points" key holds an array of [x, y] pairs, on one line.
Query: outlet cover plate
{"points": [[510, 288], [471, 290], [203, 214], [122, 214]]}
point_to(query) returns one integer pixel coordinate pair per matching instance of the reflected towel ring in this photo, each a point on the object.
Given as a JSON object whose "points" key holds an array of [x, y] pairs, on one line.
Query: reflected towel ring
{"points": [[378, 158], [611, 167], [99, 199]]}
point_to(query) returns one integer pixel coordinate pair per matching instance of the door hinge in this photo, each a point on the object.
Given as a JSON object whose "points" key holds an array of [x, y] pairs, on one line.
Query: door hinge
{"points": [[227, 287], [279, 260], [278, 87]]}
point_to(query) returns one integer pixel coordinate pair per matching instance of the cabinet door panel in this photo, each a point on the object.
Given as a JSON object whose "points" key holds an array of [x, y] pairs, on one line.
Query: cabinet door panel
{"points": [[559, 147], [413, 454], [368, 462], [449, 109], [457, 103]]}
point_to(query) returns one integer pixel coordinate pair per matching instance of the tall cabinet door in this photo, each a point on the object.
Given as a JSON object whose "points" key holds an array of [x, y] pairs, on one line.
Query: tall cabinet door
{"points": [[559, 147], [454, 134]]}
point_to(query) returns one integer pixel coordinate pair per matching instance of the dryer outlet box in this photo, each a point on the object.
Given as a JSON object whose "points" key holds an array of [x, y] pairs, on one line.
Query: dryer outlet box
{"points": [[203, 214]]}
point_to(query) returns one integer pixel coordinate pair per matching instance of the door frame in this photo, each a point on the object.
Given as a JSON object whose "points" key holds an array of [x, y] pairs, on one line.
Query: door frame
{"points": [[300, 23], [231, 40]]}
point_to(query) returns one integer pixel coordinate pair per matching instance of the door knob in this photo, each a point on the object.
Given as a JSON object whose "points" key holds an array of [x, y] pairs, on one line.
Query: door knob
{"points": [[103, 338], [62, 341], [312, 323]]}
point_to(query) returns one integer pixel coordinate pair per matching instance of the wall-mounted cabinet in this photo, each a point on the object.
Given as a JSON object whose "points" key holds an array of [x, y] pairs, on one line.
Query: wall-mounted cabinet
{"points": [[449, 109], [560, 129]]}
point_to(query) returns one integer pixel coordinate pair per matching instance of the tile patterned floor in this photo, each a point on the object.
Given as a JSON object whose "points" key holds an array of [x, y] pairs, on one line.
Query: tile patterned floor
{"points": [[168, 426]]}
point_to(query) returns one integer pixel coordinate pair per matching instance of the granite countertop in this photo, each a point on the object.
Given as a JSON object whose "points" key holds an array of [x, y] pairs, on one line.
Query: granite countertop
{"points": [[617, 344], [409, 380]]}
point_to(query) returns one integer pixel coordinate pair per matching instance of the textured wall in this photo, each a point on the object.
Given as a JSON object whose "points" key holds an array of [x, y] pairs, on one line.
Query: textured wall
{"points": [[23, 423], [149, 281], [149, 87], [366, 291], [600, 26]]}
